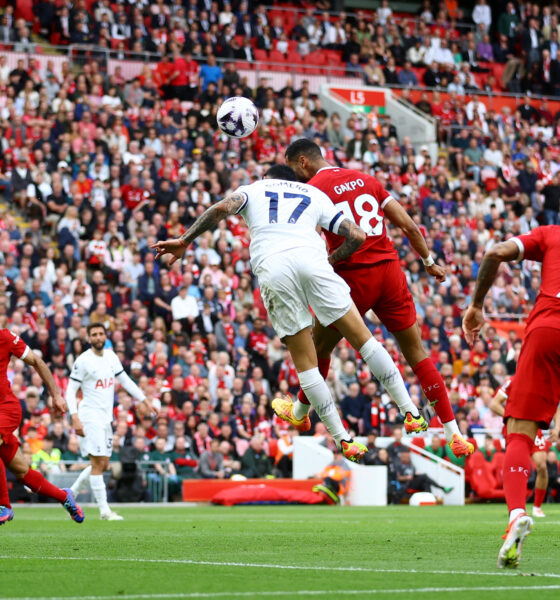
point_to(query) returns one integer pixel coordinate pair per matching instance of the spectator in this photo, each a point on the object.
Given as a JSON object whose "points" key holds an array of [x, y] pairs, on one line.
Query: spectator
{"points": [[211, 73], [255, 463], [406, 76], [551, 205], [211, 462], [409, 479]]}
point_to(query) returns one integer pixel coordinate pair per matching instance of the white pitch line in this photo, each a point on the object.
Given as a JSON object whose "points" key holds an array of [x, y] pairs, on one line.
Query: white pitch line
{"points": [[257, 594], [248, 565]]}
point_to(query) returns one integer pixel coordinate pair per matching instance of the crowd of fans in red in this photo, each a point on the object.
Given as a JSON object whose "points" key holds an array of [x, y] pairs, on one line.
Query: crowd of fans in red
{"points": [[100, 167]]}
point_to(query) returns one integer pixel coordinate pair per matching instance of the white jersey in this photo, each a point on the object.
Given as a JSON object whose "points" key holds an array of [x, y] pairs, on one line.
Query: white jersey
{"points": [[283, 215], [96, 377]]}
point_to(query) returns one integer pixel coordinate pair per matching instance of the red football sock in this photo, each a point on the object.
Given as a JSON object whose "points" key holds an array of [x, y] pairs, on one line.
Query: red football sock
{"points": [[36, 482], [517, 468], [539, 497], [434, 388], [4, 496], [324, 365]]}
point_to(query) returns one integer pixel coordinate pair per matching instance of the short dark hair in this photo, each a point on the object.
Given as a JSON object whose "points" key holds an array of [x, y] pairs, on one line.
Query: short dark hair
{"points": [[303, 147], [92, 326], [281, 172]]}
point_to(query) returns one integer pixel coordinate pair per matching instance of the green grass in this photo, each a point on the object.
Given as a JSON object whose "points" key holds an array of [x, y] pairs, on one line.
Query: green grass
{"points": [[216, 552]]}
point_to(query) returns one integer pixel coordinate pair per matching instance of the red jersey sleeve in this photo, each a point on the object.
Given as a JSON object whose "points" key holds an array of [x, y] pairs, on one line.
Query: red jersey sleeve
{"points": [[17, 346], [532, 244]]}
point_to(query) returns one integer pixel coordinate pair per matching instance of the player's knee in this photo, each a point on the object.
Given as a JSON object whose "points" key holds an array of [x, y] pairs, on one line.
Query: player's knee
{"points": [[541, 469], [18, 470]]}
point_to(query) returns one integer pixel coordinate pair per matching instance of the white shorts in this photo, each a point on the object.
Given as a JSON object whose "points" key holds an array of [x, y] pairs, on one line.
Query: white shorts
{"points": [[98, 440], [291, 282]]}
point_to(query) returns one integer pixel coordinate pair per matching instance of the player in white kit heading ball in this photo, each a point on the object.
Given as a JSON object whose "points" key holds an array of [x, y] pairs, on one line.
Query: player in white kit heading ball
{"points": [[294, 271]]}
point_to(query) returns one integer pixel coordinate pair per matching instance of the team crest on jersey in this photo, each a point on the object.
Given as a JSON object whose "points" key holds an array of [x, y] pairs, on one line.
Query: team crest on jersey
{"points": [[104, 383]]}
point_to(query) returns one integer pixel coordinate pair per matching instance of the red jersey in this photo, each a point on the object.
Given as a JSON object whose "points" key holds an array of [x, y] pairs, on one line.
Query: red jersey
{"points": [[361, 198], [131, 196], [258, 341], [10, 344], [543, 245]]}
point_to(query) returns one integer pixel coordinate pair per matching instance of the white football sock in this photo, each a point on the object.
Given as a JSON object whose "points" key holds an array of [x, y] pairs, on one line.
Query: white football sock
{"points": [[514, 513], [84, 474], [99, 493], [450, 428], [300, 409], [384, 369], [319, 395]]}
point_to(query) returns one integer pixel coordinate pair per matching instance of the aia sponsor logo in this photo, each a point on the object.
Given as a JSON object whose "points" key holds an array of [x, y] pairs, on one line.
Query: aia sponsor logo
{"points": [[104, 383]]}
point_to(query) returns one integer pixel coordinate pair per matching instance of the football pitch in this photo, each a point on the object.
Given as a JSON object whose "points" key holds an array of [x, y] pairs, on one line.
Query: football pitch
{"points": [[274, 552]]}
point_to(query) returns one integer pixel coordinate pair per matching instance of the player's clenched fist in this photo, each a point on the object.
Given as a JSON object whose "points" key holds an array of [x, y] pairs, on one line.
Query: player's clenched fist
{"points": [[437, 272], [59, 405]]}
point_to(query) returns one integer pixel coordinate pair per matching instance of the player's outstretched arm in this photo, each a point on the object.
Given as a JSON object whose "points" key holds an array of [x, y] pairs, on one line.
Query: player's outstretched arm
{"points": [[45, 374], [354, 238], [230, 205], [474, 318], [399, 217]]}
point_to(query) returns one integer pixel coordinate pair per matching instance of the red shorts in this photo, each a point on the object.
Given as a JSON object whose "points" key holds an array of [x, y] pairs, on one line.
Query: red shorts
{"points": [[382, 288], [10, 414], [10, 419], [535, 390]]}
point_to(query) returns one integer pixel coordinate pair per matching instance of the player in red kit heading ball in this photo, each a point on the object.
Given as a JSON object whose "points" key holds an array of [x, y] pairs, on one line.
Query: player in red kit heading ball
{"points": [[535, 392], [10, 419], [373, 272]]}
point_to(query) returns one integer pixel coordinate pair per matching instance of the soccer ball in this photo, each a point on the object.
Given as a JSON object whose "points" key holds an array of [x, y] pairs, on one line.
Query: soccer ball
{"points": [[237, 117]]}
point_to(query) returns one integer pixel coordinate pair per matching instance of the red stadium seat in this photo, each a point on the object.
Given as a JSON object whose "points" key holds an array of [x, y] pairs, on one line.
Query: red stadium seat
{"points": [[261, 55], [481, 478], [24, 10], [276, 56], [315, 58], [289, 21], [294, 58], [243, 65], [498, 71]]}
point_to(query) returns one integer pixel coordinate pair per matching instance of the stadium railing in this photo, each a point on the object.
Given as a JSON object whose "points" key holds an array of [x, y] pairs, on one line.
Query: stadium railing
{"points": [[157, 484], [276, 73]]}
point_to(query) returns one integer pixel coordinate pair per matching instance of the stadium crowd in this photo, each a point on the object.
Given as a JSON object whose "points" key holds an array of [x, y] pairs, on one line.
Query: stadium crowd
{"points": [[95, 168]]}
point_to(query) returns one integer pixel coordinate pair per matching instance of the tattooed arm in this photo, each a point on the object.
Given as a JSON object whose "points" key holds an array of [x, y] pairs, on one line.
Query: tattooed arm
{"points": [[474, 318], [355, 237], [230, 205]]}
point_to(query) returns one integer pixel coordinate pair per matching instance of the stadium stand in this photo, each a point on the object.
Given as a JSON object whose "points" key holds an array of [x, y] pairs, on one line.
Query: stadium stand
{"points": [[107, 113]]}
